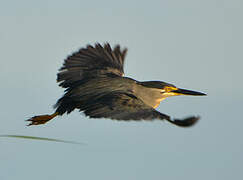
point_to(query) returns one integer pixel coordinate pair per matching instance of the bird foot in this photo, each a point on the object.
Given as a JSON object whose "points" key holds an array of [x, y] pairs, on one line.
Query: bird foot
{"points": [[42, 119]]}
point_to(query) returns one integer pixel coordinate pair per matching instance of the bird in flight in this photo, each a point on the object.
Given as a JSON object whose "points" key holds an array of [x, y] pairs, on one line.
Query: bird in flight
{"points": [[94, 83]]}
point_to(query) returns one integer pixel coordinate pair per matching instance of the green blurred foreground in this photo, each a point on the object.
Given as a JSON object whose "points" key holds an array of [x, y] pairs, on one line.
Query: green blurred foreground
{"points": [[41, 139]]}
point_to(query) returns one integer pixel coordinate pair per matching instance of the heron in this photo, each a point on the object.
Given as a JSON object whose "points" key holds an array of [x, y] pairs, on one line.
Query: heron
{"points": [[94, 82]]}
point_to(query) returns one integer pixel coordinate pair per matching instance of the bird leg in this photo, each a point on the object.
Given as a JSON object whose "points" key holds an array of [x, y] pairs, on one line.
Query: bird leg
{"points": [[42, 119]]}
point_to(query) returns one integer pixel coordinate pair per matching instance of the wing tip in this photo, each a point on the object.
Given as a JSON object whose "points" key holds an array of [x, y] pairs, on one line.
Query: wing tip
{"points": [[187, 122]]}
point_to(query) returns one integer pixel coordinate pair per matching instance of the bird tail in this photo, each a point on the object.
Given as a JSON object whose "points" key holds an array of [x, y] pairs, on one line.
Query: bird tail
{"points": [[41, 119]]}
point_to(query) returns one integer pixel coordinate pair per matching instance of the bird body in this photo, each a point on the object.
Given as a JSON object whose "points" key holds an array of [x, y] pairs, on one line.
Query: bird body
{"points": [[95, 84]]}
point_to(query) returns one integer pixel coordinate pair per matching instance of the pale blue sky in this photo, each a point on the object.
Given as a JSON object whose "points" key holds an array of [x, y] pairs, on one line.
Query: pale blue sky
{"points": [[194, 44]]}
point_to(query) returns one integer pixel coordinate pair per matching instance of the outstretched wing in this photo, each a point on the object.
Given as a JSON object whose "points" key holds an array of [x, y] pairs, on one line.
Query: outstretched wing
{"points": [[92, 62], [126, 107]]}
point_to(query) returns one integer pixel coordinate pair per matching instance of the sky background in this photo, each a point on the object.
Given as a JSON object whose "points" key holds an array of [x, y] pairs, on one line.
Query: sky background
{"points": [[194, 44]]}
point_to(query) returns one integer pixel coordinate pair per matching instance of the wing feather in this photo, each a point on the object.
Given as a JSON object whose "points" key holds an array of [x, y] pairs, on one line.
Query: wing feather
{"points": [[121, 106], [91, 62]]}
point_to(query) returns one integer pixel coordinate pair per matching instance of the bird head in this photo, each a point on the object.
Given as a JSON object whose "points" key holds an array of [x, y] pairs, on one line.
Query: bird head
{"points": [[164, 90]]}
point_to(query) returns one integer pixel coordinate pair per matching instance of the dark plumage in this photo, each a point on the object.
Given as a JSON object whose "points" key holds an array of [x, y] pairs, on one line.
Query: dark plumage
{"points": [[94, 82]]}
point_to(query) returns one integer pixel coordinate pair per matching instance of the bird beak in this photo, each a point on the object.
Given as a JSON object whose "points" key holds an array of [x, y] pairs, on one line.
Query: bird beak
{"points": [[188, 92]]}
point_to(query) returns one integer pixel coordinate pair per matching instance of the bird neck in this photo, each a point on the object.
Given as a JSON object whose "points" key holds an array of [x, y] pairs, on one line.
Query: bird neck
{"points": [[150, 96]]}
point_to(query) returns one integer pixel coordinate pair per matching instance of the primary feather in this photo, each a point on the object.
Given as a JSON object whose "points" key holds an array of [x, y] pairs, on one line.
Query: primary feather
{"points": [[91, 62]]}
